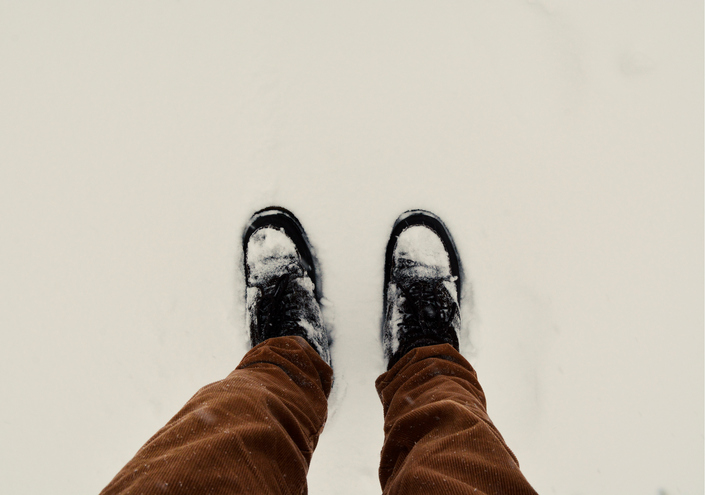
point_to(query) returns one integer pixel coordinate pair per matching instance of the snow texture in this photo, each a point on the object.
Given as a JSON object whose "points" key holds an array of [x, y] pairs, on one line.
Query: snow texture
{"points": [[270, 253], [560, 141], [421, 247]]}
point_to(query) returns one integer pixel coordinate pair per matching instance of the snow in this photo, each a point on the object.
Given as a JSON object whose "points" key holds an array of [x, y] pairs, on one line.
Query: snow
{"points": [[270, 252], [424, 249], [561, 142]]}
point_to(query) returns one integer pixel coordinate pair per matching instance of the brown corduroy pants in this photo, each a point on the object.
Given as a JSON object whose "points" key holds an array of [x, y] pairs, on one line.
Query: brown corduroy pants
{"points": [[255, 431]]}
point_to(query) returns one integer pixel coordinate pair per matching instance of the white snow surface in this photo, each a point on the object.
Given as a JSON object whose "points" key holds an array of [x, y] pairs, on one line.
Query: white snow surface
{"points": [[560, 141]]}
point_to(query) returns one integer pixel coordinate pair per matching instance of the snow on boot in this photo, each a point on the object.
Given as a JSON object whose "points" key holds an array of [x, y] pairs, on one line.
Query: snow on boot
{"points": [[283, 291], [422, 286]]}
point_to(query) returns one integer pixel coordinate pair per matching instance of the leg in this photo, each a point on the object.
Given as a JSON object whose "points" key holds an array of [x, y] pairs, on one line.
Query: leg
{"points": [[253, 432], [438, 436]]}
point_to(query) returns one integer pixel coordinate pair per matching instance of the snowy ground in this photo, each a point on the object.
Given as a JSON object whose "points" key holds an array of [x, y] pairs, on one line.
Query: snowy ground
{"points": [[561, 141]]}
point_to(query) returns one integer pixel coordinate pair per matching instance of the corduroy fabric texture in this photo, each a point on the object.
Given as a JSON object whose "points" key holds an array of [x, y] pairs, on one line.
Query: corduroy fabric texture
{"points": [[253, 432], [438, 436]]}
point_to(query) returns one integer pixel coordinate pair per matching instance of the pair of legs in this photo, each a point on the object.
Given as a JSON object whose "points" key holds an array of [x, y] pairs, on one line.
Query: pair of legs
{"points": [[255, 431]]}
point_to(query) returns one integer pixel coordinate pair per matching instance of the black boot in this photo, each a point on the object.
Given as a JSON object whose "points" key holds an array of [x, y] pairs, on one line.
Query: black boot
{"points": [[422, 286], [283, 290]]}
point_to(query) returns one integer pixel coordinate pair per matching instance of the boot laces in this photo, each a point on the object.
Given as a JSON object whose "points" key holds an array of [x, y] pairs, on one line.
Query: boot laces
{"points": [[280, 309], [427, 309]]}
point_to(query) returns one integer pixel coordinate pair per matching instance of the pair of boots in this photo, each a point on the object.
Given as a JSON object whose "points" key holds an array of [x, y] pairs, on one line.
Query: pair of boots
{"points": [[421, 291]]}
